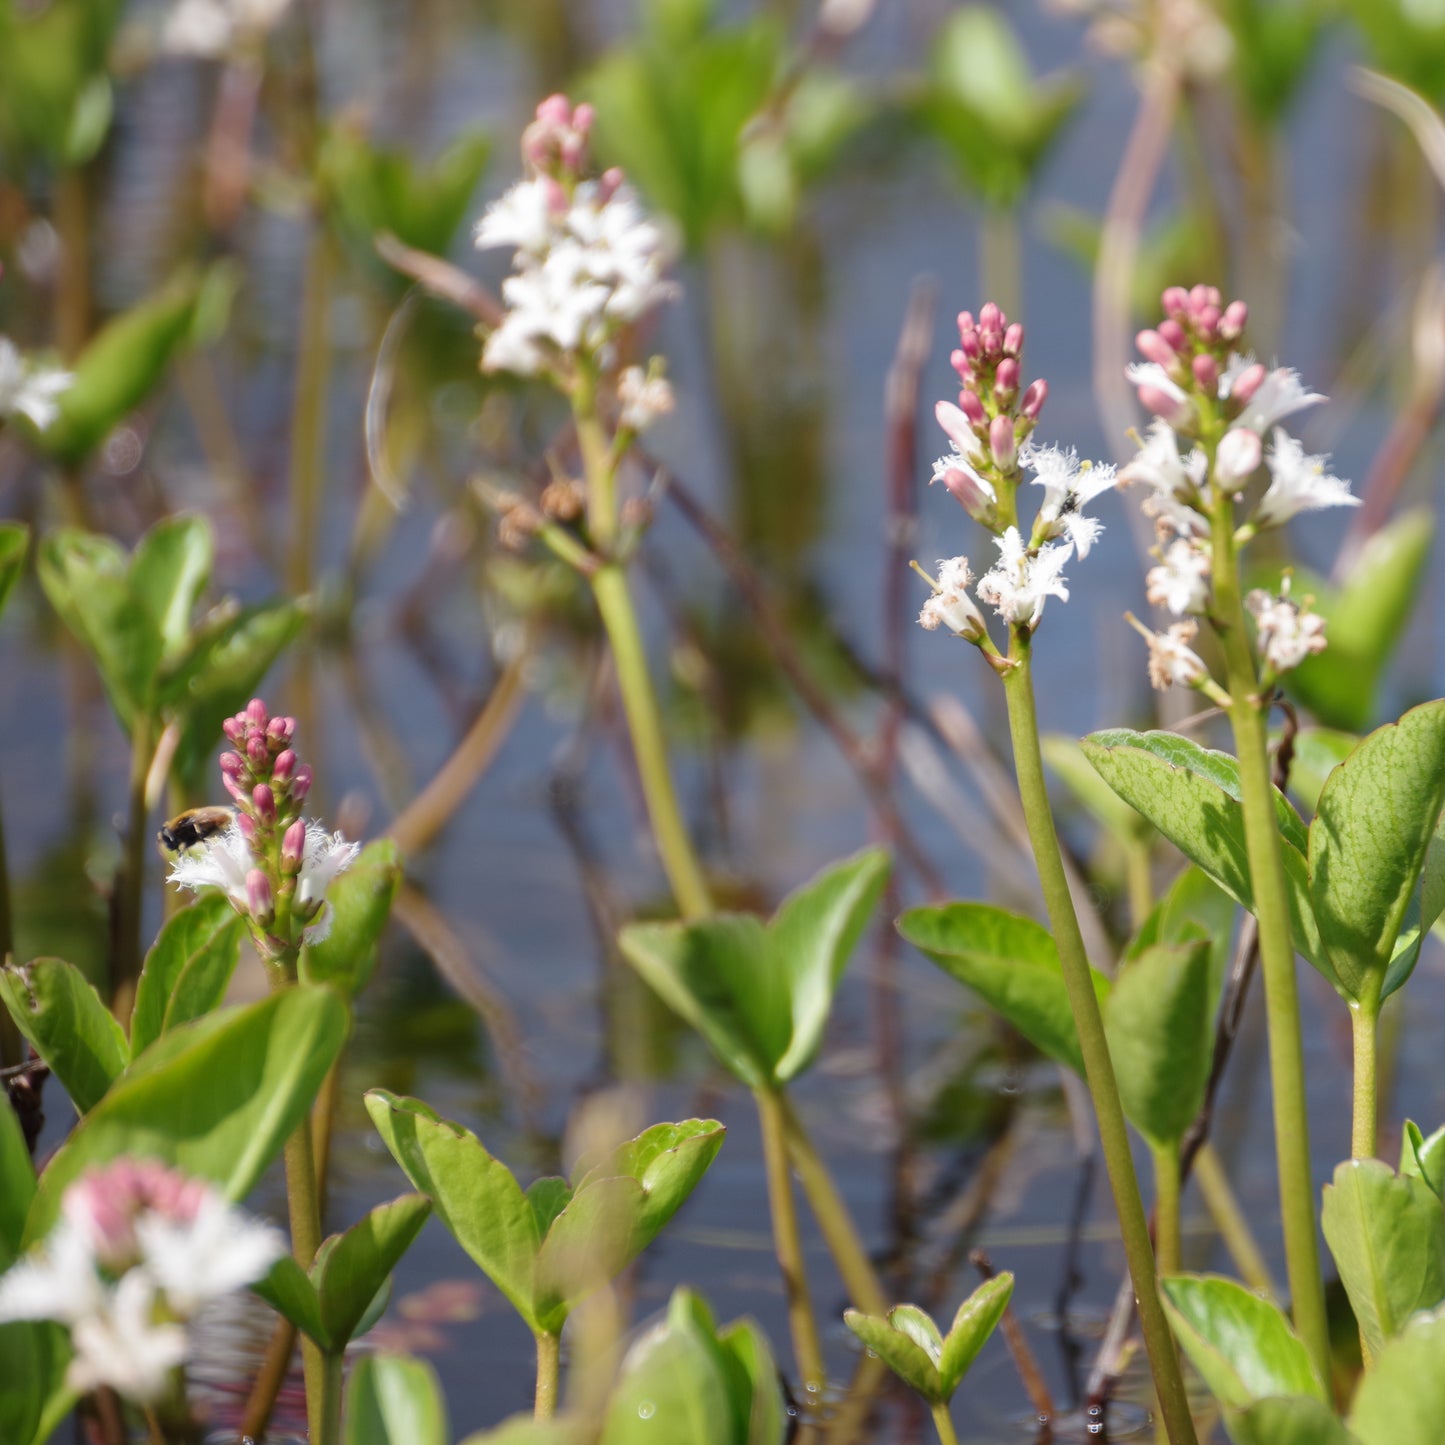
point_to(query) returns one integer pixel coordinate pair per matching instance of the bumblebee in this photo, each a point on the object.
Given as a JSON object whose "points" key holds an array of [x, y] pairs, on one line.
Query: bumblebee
{"points": [[194, 826]]}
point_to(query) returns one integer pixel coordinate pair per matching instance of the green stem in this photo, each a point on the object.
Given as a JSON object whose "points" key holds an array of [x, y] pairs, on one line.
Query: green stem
{"points": [[130, 880], [1139, 876], [1365, 1021], [549, 1369], [789, 1243], [1276, 948], [1168, 1249], [1230, 1221], [943, 1423], [674, 846], [999, 253], [1098, 1066], [835, 1223], [331, 1383]]}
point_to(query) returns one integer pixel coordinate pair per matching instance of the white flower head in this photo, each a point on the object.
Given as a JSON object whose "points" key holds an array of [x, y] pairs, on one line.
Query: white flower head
{"points": [[1288, 632], [1181, 581], [1160, 392], [58, 1281], [221, 861], [1173, 480], [950, 605], [124, 1344], [1069, 485], [1024, 578], [1298, 483], [522, 217], [326, 855], [27, 389], [1171, 659], [643, 397], [217, 1250]]}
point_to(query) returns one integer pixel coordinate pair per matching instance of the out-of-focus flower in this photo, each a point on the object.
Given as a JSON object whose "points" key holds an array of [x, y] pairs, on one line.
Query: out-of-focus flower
{"points": [[1278, 394], [1174, 481], [1171, 659], [951, 606], [212, 29], [1298, 483], [1069, 486], [28, 389], [138, 1250], [642, 397], [1024, 578], [1181, 581], [1288, 631]]}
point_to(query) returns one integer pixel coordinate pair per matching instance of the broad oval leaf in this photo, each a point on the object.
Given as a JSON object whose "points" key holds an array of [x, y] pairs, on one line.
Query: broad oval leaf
{"points": [[1401, 1400], [217, 1098], [1011, 962], [900, 1351], [289, 1292], [1387, 1235], [168, 571], [394, 1400], [976, 1320], [187, 970], [57, 1008], [1159, 1024], [33, 1394], [755, 1380], [1289, 1420], [352, 1268], [1242, 1345], [1376, 817], [591, 1240], [476, 1196]]}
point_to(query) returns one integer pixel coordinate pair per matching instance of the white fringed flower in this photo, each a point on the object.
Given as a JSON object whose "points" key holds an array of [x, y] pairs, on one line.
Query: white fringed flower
{"points": [[1279, 395], [1298, 483], [1069, 485], [218, 1250], [1023, 579], [58, 1281], [222, 861], [951, 606], [1171, 659], [124, 1344], [1181, 581], [1288, 633], [1174, 481], [27, 389], [326, 855]]}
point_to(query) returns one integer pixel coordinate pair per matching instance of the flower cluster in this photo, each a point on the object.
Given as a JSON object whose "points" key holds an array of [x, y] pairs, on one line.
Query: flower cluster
{"points": [[272, 863], [1288, 631], [587, 260], [137, 1252], [28, 389], [991, 436], [1217, 423]]}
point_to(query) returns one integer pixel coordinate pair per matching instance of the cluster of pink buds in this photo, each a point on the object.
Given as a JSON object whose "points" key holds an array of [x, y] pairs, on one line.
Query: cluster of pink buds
{"points": [[995, 413], [105, 1205], [556, 142], [273, 865]]}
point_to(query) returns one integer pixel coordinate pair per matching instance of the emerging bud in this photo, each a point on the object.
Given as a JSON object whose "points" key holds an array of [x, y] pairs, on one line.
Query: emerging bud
{"points": [[293, 847], [1173, 335], [1234, 320], [1154, 348], [263, 800], [1013, 339], [1006, 380], [1206, 371], [301, 784], [232, 765], [259, 902], [1247, 383], [972, 408], [256, 713], [1001, 442], [284, 766], [1034, 399]]}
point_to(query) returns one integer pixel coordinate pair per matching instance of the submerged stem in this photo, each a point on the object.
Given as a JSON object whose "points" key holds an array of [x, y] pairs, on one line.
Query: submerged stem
{"points": [[1098, 1066], [788, 1241]]}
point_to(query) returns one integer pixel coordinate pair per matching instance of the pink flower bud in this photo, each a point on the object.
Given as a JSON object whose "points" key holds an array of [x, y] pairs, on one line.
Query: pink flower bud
{"points": [[1247, 383], [234, 728], [583, 117], [1175, 302], [1034, 399], [284, 766], [1174, 334], [965, 322], [259, 902], [281, 729], [301, 783], [966, 491], [293, 847], [990, 339], [256, 713], [1153, 347], [555, 110], [232, 765], [990, 318], [233, 787], [1013, 339], [1001, 441], [1240, 452], [1165, 405], [1206, 371], [1006, 379], [1207, 319], [972, 407], [609, 183], [246, 826], [1234, 320], [256, 752], [971, 344], [263, 800], [1203, 296]]}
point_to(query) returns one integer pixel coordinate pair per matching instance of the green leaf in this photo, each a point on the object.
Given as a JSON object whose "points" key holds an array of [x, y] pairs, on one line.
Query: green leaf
{"points": [[1317, 753], [1289, 1420], [1377, 816], [548, 1198], [187, 970], [17, 1184], [755, 1382], [1159, 1023], [1011, 963], [1192, 796], [475, 1196], [293, 1296], [1067, 762], [1401, 1400], [1424, 1158], [900, 1349], [33, 1395], [588, 1243], [394, 1400], [667, 1161], [361, 900], [975, 1321], [168, 572], [760, 994], [1387, 1234], [1193, 908], [1241, 1344], [57, 1008], [217, 1098], [119, 368], [352, 1268], [14, 544]]}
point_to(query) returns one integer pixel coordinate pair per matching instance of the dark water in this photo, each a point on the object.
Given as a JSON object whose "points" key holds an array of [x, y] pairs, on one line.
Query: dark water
{"points": [[797, 464]]}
